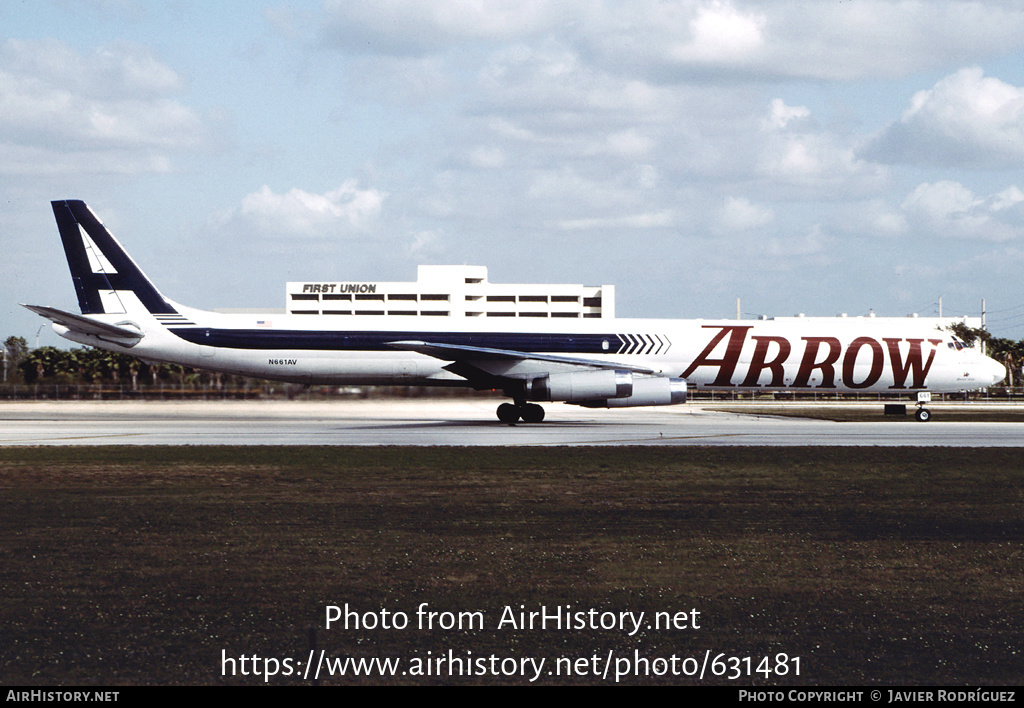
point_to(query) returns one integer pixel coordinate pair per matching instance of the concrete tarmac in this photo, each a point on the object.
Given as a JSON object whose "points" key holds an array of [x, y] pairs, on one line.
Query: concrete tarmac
{"points": [[427, 421]]}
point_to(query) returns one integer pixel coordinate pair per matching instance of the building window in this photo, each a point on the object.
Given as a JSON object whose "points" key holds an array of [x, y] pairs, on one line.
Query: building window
{"points": [[305, 297]]}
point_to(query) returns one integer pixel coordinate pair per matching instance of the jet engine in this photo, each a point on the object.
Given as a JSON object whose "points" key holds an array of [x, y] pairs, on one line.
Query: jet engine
{"points": [[579, 386], [647, 391]]}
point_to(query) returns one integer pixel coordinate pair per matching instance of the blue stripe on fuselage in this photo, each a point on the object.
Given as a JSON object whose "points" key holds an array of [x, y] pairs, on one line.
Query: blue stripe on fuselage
{"points": [[377, 341]]}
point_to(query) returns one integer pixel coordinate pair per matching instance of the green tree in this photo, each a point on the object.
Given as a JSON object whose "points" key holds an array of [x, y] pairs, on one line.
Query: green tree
{"points": [[42, 363], [969, 335], [15, 351]]}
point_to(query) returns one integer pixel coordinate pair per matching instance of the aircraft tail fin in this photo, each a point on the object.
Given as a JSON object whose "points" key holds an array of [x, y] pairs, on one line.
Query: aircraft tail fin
{"points": [[100, 267]]}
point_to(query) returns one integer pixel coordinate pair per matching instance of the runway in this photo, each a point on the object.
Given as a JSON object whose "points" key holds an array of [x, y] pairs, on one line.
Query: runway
{"points": [[428, 422]]}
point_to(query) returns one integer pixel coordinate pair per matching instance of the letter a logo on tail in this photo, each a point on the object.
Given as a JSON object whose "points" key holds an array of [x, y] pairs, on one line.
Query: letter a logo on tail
{"points": [[100, 267]]}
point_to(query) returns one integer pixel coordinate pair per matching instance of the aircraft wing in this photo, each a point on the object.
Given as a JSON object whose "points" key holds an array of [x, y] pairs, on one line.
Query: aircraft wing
{"points": [[480, 363], [84, 324]]}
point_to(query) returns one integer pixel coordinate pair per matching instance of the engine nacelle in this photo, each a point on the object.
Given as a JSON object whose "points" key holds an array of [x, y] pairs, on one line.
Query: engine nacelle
{"points": [[579, 386], [647, 391]]}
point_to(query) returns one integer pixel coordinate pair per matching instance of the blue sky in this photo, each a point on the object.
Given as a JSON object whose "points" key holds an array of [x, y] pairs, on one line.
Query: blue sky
{"points": [[818, 157]]}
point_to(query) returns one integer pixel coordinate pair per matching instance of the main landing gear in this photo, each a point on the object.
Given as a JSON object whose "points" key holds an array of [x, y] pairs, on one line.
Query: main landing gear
{"points": [[511, 413]]}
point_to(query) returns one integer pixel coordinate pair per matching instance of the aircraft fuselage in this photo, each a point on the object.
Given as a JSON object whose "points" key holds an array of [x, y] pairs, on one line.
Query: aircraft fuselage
{"points": [[798, 354]]}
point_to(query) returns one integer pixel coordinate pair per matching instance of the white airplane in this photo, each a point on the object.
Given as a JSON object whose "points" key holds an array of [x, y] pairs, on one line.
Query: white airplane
{"points": [[595, 363]]}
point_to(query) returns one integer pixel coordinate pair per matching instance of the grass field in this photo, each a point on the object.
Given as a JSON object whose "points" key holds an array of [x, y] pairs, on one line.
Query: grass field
{"points": [[873, 566]]}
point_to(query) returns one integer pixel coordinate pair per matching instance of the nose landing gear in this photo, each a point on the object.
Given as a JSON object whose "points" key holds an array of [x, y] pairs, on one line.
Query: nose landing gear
{"points": [[922, 414]]}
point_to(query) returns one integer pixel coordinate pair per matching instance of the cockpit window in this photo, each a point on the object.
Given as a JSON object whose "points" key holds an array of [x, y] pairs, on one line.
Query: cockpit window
{"points": [[956, 344]]}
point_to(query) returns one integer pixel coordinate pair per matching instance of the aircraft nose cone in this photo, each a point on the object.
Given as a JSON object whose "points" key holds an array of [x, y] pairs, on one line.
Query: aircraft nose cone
{"points": [[995, 371]]}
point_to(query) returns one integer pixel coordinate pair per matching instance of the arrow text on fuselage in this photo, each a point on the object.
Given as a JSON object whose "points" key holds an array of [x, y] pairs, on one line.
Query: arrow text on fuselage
{"points": [[824, 355]]}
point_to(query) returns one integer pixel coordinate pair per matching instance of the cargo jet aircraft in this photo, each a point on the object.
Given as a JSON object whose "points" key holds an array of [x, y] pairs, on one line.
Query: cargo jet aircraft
{"points": [[595, 363]]}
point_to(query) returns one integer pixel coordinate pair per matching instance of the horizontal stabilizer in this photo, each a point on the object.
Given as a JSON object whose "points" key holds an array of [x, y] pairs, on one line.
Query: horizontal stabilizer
{"points": [[121, 333]]}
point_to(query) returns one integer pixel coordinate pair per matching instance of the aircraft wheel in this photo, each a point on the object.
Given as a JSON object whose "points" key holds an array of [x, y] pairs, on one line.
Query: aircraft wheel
{"points": [[532, 413], [923, 415], [507, 413]]}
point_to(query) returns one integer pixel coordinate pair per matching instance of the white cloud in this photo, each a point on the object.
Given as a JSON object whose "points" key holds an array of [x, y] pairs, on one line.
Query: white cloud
{"points": [[426, 245], [780, 38], [938, 202], [872, 218], [965, 120], [31, 161], [115, 71], [948, 209], [721, 33], [546, 105], [1009, 198], [91, 112], [553, 75], [487, 157], [782, 115], [576, 200], [649, 220], [627, 143], [415, 27], [885, 39], [818, 161], [668, 41], [794, 38], [301, 214], [740, 214], [791, 252]]}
